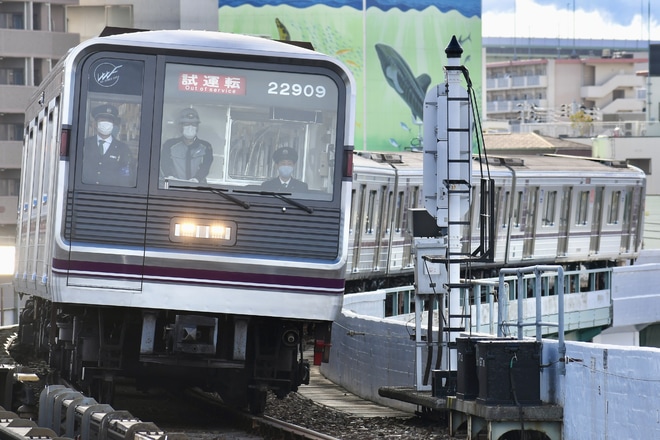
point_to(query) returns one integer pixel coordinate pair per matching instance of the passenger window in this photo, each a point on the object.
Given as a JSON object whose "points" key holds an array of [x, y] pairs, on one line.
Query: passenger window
{"points": [[583, 205], [613, 217], [517, 210], [549, 211]]}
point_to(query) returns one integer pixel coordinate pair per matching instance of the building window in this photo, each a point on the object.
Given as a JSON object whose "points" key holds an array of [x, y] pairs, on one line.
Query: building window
{"points": [[11, 132], [10, 20], [12, 76]]}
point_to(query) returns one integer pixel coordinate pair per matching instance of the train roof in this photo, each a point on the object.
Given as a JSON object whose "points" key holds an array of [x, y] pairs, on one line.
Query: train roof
{"points": [[562, 164], [550, 163], [207, 41]]}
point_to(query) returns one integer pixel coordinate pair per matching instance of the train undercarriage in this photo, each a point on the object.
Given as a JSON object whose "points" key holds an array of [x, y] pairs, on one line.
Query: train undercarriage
{"points": [[241, 358]]}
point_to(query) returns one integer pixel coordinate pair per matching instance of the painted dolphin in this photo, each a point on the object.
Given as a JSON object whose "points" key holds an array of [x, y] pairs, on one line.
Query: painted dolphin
{"points": [[400, 77]]}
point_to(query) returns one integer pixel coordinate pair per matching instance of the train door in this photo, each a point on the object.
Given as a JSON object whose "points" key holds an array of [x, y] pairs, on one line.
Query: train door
{"points": [[564, 221], [530, 223], [596, 222], [28, 214], [107, 199]]}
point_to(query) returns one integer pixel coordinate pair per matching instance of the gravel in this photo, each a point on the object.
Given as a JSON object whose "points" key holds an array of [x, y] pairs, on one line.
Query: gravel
{"points": [[302, 411]]}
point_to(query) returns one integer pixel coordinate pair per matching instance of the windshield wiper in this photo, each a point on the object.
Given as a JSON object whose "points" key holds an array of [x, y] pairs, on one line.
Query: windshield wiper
{"points": [[221, 192], [281, 196]]}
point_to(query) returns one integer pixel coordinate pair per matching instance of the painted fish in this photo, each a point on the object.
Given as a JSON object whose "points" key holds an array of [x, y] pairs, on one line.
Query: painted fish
{"points": [[400, 77], [282, 30]]}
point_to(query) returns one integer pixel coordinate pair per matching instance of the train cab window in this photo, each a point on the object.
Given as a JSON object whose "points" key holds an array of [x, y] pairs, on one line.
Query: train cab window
{"points": [[583, 208], [549, 211], [111, 122], [249, 130], [613, 216]]}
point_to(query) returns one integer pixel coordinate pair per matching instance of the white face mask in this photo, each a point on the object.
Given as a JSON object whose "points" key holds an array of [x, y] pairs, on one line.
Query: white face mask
{"points": [[105, 127], [189, 131]]}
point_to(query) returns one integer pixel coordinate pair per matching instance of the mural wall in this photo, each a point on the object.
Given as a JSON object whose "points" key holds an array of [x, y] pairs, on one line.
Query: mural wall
{"points": [[395, 49]]}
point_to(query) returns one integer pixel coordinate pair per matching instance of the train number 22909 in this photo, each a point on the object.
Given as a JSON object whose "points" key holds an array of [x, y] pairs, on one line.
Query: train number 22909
{"points": [[287, 89]]}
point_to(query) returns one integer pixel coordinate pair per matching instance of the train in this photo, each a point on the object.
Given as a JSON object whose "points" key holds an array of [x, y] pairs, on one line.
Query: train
{"points": [[548, 209], [148, 243]]}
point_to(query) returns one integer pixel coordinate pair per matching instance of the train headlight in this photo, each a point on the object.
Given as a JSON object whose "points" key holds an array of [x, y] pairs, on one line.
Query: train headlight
{"points": [[199, 230]]}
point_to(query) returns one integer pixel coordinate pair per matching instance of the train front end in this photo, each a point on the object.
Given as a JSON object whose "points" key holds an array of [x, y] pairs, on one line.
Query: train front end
{"points": [[198, 212]]}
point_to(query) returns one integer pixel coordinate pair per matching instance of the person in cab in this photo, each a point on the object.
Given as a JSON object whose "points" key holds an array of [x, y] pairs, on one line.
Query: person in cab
{"points": [[285, 159]]}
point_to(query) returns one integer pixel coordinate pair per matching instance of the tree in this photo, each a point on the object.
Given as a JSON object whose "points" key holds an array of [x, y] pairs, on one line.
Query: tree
{"points": [[581, 121]]}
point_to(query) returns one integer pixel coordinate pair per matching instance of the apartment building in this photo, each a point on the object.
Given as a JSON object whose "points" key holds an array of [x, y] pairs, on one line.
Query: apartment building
{"points": [[33, 37], [35, 34], [609, 88]]}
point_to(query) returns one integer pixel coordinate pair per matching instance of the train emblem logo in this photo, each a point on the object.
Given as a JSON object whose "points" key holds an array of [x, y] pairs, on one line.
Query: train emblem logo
{"points": [[107, 74]]}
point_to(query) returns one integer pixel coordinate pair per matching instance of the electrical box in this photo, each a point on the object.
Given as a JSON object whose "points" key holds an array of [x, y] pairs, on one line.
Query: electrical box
{"points": [[509, 372]]}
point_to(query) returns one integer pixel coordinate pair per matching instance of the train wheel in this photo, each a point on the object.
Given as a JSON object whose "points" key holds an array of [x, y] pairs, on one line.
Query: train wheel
{"points": [[257, 400]]}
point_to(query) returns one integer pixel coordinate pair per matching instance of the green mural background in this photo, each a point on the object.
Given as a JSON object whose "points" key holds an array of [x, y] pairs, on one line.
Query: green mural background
{"points": [[411, 41]]}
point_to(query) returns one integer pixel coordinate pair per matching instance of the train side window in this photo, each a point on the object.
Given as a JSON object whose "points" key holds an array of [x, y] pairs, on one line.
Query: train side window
{"points": [[358, 214], [353, 213], [613, 217], [549, 211], [415, 197], [505, 209], [398, 218], [371, 212], [387, 209], [517, 208], [583, 205]]}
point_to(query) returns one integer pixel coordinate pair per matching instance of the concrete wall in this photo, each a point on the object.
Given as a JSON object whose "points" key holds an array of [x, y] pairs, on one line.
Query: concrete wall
{"points": [[606, 391], [368, 353]]}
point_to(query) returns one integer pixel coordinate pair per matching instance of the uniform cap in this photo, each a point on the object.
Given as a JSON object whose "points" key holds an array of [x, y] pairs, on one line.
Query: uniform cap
{"points": [[285, 153], [189, 115], [106, 111]]}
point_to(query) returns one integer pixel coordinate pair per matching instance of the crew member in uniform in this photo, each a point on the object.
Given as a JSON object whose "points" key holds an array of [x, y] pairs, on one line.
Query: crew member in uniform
{"points": [[107, 160], [187, 157], [285, 159]]}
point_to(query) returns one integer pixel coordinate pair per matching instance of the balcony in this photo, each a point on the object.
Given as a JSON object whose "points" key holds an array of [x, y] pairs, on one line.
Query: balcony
{"points": [[596, 93], [513, 106], [10, 154], [517, 82], [8, 209], [39, 44], [14, 99]]}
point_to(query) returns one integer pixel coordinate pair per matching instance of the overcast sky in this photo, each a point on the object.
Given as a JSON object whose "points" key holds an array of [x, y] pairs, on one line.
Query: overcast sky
{"points": [[596, 19]]}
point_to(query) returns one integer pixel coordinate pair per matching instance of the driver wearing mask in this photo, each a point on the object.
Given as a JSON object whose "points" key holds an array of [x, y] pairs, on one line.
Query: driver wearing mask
{"points": [[106, 159], [187, 157], [285, 159]]}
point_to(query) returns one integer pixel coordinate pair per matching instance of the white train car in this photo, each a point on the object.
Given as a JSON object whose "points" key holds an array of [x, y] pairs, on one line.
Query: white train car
{"points": [[194, 271], [547, 210]]}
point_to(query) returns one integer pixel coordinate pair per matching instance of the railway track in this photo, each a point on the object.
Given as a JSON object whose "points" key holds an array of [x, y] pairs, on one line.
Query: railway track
{"points": [[64, 412]]}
